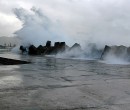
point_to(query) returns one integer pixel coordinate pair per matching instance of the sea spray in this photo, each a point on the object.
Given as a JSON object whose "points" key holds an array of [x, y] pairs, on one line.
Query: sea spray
{"points": [[99, 22], [88, 21], [38, 28]]}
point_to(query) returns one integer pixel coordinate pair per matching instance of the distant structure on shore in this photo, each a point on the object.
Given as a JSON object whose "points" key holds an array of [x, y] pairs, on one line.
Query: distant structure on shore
{"points": [[7, 46], [8, 42]]}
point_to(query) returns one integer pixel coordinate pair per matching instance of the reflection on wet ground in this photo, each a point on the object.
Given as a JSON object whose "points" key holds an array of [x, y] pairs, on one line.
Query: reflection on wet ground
{"points": [[61, 84]]}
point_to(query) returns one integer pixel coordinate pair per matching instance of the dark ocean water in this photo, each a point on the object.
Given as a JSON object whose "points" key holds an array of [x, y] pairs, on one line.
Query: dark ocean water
{"points": [[50, 83]]}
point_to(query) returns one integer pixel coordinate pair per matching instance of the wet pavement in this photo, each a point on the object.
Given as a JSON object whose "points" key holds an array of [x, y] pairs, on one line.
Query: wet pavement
{"points": [[61, 84]]}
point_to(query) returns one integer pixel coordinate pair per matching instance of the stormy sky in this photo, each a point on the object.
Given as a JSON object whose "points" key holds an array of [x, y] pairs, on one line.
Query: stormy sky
{"points": [[100, 21]]}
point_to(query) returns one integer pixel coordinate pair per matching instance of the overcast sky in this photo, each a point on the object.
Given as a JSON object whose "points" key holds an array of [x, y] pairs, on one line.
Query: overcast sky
{"points": [[63, 10], [81, 19]]}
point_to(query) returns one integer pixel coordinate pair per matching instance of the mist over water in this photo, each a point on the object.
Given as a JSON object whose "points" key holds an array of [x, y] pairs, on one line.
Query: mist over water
{"points": [[99, 22]]}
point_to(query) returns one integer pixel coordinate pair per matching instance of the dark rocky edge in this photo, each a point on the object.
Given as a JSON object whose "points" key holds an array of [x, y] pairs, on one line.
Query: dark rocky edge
{"points": [[60, 47], [48, 49], [117, 51], [7, 61]]}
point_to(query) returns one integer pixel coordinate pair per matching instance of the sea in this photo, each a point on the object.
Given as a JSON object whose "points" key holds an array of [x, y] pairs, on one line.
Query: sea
{"points": [[51, 83]]}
